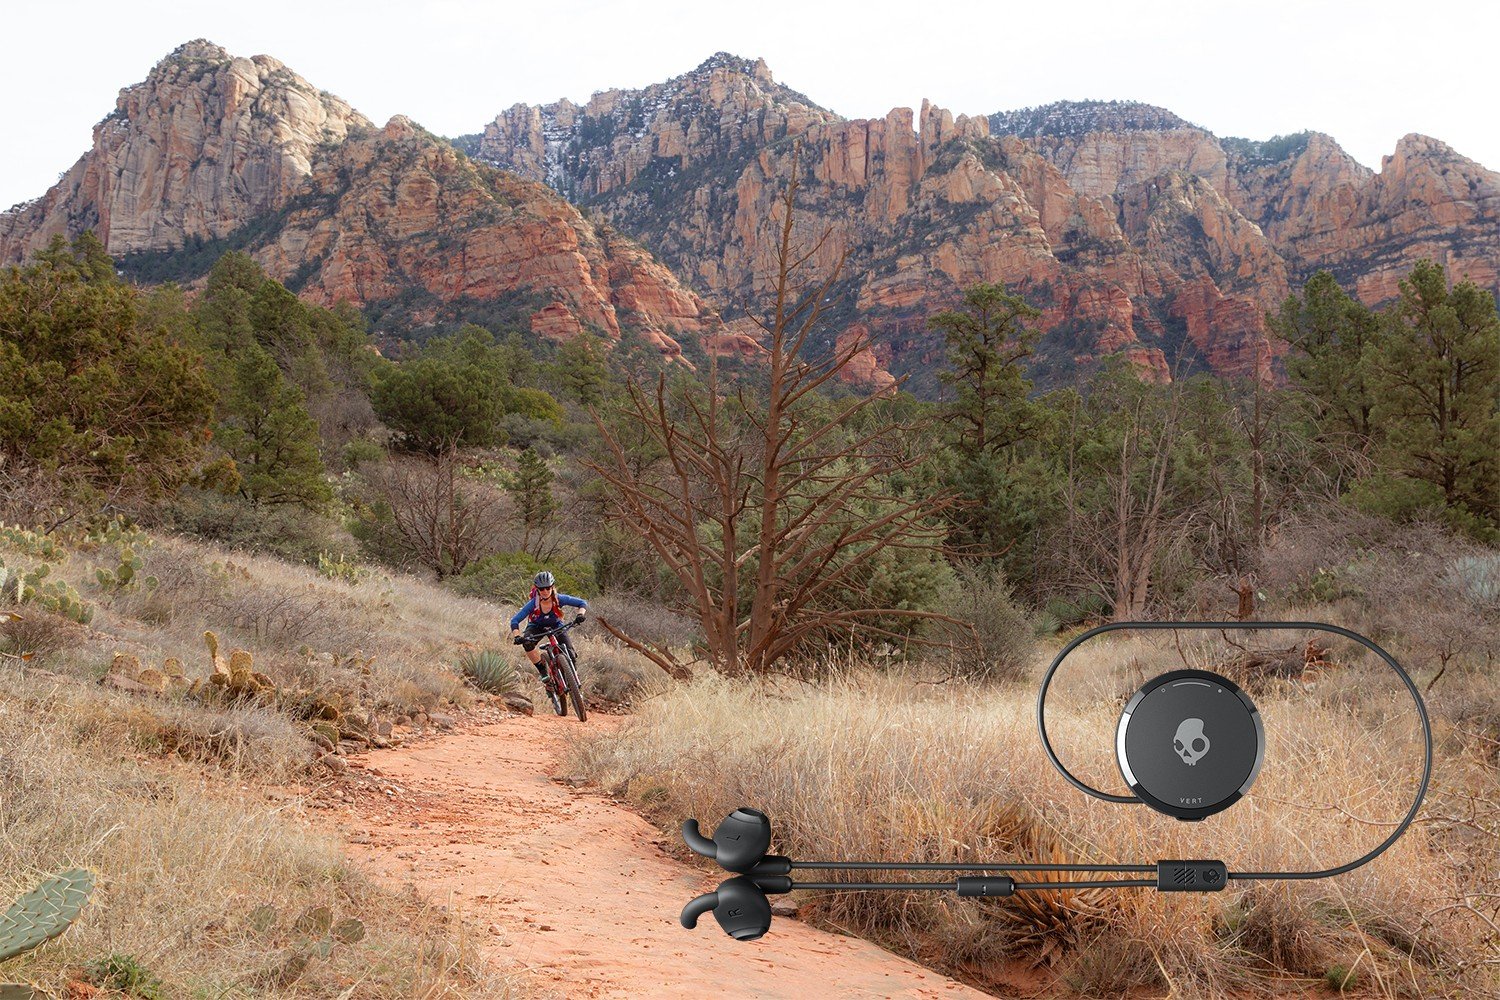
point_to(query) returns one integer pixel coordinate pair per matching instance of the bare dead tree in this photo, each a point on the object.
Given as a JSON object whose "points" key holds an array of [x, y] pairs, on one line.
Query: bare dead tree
{"points": [[769, 508], [438, 517], [1121, 515], [1138, 513]]}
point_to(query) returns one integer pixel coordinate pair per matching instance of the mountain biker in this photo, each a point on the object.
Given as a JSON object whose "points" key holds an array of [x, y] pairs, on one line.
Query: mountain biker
{"points": [[544, 611]]}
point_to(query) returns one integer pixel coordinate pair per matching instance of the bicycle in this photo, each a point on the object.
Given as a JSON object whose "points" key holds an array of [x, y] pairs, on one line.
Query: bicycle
{"points": [[562, 669]]}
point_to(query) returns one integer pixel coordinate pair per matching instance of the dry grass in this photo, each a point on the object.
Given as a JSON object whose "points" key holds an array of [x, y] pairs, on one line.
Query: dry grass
{"points": [[183, 858], [615, 676], [302, 628], [192, 815], [865, 765]]}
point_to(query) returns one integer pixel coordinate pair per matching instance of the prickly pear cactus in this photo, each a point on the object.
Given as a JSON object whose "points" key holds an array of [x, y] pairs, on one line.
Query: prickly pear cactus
{"points": [[30, 542], [340, 568], [31, 588], [123, 576], [58, 596], [45, 912], [116, 531]]}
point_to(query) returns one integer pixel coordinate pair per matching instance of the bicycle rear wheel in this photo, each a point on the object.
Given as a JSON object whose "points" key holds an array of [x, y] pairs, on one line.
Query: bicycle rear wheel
{"points": [[575, 689]]}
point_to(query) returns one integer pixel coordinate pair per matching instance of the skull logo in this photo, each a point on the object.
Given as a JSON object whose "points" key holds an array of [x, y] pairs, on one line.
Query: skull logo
{"points": [[1191, 743]]}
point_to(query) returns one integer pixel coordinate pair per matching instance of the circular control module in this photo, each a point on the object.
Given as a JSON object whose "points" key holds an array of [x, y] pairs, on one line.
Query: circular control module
{"points": [[1190, 743]]}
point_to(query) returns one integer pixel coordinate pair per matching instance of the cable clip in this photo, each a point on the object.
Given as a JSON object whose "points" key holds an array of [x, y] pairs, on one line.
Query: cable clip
{"points": [[1191, 876]]}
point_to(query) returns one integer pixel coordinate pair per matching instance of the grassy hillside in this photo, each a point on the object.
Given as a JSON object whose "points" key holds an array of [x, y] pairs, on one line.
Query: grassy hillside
{"points": [[194, 809]]}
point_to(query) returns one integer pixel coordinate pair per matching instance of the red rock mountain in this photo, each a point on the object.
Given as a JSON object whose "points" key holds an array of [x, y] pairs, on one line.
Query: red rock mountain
{"points": [[1135, 231], [213, 152]]}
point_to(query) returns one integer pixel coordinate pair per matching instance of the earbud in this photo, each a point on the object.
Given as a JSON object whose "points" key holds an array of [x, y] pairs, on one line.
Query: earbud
{"points": [[740, 906], [739, 843]]}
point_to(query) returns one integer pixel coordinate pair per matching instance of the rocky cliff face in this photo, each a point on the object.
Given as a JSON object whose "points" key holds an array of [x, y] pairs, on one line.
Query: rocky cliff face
{"points": [[399, 215], [205, 143], [1135, 231], [244, 154], [723, 112], [925, 205], [1324, 211], [1316, 206]]}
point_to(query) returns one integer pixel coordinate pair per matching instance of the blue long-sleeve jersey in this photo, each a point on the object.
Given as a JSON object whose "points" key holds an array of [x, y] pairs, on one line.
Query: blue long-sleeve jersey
{"points": [[551, 620]]}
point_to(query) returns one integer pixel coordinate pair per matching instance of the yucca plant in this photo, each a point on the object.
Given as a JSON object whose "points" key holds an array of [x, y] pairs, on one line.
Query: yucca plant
{"points": [[1477, 578], [44, 912], [491, 670]]}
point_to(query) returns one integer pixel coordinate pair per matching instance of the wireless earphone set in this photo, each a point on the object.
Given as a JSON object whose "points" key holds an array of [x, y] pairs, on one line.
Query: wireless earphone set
{"points": [[1189, 744]]}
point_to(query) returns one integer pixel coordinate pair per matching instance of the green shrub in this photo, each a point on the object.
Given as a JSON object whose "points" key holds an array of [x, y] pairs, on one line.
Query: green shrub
{"points": [[1340, 978], [360, 451], [506, 577], [1068, 614], [125, 974], [287, 530]]}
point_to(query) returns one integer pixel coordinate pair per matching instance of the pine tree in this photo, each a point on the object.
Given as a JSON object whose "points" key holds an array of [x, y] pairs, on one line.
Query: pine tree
{"points": [[1435, 375], [262, 353], [108, 404], [580, 369], [265, 428], [435, 404], [1329, 332], [283, 326], [530, 487], [988, 342]]}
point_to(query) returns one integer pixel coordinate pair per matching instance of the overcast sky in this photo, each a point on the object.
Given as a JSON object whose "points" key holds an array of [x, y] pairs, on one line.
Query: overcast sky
{"points": [[1366, 73]]}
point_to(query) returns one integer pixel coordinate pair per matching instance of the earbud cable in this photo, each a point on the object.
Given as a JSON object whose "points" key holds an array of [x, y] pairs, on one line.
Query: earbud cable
{"points": [[1019, 886], [960, 866]]}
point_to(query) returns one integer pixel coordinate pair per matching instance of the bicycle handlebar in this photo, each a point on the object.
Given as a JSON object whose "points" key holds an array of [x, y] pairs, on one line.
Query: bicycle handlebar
{"points": [[539, 636]]}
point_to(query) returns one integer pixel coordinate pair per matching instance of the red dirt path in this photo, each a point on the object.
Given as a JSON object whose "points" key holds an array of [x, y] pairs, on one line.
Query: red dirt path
{"points": [[578, 890]]}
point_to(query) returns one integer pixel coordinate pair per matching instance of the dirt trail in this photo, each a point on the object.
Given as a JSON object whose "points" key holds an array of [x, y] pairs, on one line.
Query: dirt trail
{"points": [[578, 889]]}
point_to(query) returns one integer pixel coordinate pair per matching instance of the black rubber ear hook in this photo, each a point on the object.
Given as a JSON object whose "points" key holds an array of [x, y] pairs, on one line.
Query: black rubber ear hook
{"points": [[697, 907]]}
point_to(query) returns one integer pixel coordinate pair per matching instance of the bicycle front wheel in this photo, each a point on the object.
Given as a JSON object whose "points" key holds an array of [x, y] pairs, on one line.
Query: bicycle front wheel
{"points": [[554, 690], [575, 689]]}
